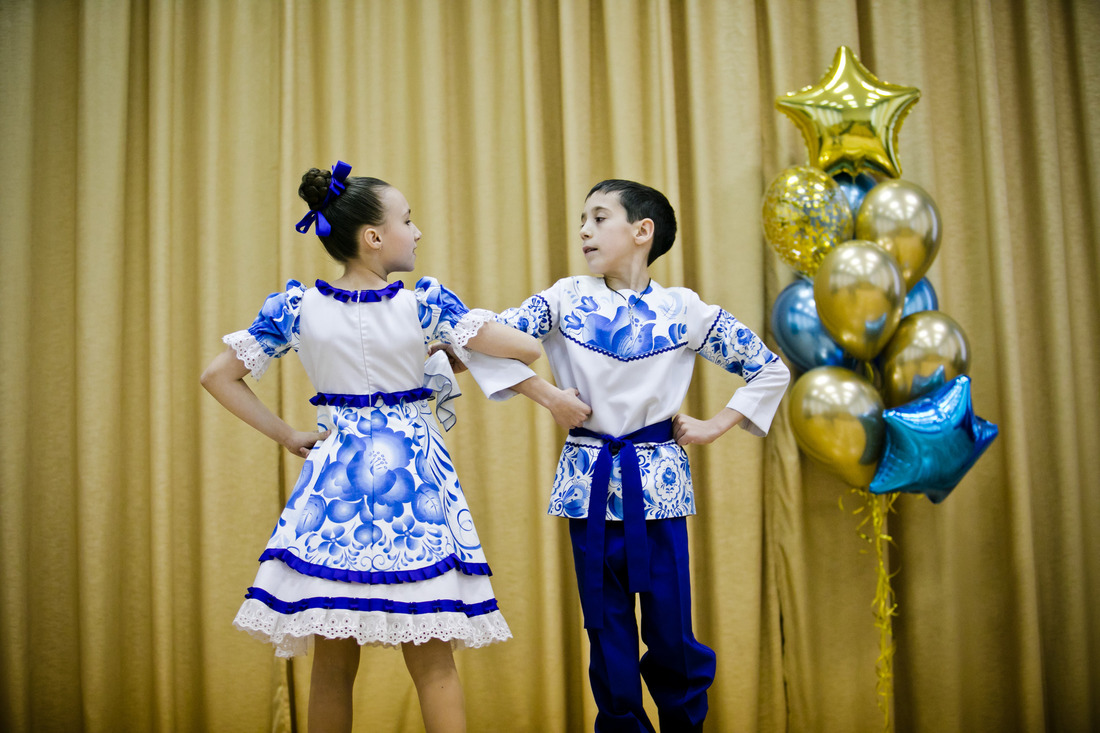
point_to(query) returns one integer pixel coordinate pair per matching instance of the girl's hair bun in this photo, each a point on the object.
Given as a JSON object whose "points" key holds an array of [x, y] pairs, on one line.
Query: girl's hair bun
{"points": [[314, 186]]}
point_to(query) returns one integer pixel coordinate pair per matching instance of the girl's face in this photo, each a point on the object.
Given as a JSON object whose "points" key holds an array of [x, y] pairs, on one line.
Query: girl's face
{"points": [[398, 233]]}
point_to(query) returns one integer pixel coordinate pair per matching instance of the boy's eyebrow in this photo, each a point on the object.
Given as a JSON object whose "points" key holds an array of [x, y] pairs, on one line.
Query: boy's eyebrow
{"points": [[594, 210]]}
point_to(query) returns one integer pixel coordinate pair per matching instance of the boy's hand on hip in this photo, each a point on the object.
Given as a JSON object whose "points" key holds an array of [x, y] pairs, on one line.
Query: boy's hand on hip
{"points": [[689, 430]]}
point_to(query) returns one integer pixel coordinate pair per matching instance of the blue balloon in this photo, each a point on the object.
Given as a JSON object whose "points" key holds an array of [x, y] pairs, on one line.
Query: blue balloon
{"points": [[921, 297], [799, 332], [932, 442], [855, 188]]}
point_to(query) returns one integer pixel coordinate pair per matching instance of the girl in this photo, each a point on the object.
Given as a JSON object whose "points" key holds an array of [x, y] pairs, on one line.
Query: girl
{"points": [[376, 544]]}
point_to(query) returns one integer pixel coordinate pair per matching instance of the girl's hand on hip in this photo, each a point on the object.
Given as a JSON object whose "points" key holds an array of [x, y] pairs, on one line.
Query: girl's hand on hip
{"points": [[300, 443]]}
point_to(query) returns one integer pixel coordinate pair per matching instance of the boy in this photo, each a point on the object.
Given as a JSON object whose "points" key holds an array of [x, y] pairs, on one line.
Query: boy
{"points": [[626, 346]]}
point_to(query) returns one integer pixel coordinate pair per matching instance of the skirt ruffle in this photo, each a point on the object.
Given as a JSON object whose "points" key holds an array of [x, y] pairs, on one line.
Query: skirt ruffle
{"points": [[286, 608]]}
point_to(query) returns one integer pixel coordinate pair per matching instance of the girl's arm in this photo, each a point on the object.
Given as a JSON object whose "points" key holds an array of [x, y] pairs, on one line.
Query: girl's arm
{"points": [[496, 339], [564, 404], [224, 379]]}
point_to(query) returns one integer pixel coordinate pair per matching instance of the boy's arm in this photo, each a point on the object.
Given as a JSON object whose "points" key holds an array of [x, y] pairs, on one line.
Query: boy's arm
{"points": [[688, 430], [499, 377], [731, 345]]}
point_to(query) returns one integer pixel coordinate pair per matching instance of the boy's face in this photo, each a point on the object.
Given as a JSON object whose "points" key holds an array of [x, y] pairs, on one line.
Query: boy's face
{"points": [[611, 243]]}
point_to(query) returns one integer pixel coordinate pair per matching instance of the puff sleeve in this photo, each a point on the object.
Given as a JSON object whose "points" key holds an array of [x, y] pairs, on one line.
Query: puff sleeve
{"points": [[273, 333]]}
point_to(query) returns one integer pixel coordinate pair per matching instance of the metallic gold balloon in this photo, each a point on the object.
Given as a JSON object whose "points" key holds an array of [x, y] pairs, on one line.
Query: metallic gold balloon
{"points": [[850, 119], [928, 350], [860, 295], [902, 218], [805, 215], [836, 416]]}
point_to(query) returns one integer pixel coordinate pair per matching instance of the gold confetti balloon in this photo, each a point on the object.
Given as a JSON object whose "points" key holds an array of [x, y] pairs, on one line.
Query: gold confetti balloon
{"points": [[860, 295], [928, 350], [836, 417], [902, 218], [806, 215]]}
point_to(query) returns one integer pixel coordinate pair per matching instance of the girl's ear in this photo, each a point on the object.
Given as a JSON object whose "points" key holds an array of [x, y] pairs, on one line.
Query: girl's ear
{"points": [[370, 239], [643, 231]]}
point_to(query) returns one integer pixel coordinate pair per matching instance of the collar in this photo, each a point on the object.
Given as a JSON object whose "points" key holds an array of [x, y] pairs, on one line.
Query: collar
{"points": [[360, 296]]}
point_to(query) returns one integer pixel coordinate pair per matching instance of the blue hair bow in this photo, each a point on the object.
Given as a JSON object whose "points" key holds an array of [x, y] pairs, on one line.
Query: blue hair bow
{"points": [[336, 186]]}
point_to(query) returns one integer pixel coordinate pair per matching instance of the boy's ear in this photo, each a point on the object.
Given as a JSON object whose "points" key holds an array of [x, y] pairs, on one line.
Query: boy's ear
{"points": [[643, 231]]}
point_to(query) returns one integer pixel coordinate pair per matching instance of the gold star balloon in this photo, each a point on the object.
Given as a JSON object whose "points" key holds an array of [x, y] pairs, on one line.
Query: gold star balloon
{"points": [[850, 119]]}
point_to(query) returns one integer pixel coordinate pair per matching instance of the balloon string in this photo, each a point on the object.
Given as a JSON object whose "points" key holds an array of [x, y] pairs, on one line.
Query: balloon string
{"points": [[884, 606]]}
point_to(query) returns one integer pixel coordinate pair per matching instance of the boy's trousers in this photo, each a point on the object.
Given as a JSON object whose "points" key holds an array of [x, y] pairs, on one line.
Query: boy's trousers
{"points": [[677, 669]]}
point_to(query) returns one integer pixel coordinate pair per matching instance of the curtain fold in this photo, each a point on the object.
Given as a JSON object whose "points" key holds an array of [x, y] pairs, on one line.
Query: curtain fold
{"points": [[151, 152]]}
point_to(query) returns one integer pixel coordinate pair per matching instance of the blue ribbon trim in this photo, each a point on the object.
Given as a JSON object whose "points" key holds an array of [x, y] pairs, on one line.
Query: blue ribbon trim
{"points": [[369, 400], [372, 604], [360, 296], [634, 530], [389, 577], [336, 186]]}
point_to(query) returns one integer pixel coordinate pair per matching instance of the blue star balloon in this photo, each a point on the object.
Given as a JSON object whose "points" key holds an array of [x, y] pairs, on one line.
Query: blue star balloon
{"points": [[932, 442]]}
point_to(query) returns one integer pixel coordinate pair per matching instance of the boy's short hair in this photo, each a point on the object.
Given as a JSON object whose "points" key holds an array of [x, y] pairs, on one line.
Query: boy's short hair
{"points": [[643, 202]]}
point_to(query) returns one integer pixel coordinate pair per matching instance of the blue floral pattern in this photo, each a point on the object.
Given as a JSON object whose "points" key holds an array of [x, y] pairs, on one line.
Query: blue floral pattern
{"points": [[382, 498], [734, 347], [666, 482], [633, 332], [533, 317]]}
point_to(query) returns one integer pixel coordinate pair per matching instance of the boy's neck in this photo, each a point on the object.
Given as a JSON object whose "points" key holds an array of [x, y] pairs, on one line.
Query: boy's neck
{"points": [[635, 278]]}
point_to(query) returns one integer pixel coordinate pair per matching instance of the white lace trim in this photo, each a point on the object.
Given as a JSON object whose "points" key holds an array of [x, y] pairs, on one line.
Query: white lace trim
{"points": [[466, 328], [290, 633], [249, 352]]}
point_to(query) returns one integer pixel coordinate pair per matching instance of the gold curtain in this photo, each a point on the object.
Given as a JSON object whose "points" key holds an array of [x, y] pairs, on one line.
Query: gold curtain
{"points": [[150, 153]]}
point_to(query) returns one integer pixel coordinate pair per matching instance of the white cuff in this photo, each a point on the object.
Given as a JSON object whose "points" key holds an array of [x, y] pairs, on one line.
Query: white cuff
{"points": [[249, 352], [759, 399], [466, 328]]}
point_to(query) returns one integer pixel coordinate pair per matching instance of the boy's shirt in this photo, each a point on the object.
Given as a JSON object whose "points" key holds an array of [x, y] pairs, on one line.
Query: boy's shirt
{"points": [[631, 356]]}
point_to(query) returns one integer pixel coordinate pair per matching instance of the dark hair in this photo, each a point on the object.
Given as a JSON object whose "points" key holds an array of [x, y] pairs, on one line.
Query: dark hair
{"points": [[359, 205], [643, 202]]}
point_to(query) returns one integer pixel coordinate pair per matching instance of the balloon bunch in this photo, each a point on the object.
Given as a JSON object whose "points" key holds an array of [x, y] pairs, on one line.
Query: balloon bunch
{"points": [[884, 397]]}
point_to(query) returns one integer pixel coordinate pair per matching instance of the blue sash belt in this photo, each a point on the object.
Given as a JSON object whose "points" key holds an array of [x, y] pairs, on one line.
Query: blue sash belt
{"points": [[634, 531]]}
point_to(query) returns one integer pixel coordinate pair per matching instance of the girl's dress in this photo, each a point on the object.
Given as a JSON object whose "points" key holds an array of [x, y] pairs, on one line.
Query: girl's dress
{"points": [[376, 541]]}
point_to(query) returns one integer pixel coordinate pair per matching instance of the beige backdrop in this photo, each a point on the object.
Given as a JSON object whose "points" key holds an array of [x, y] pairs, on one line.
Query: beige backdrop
{"points": [[149, 159]]}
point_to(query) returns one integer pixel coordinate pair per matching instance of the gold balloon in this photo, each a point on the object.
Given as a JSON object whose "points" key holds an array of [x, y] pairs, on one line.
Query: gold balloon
{"points": [[805, 215], [850, 119], [928, 350], [836, 416], [860, 295], [902, 218]]}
